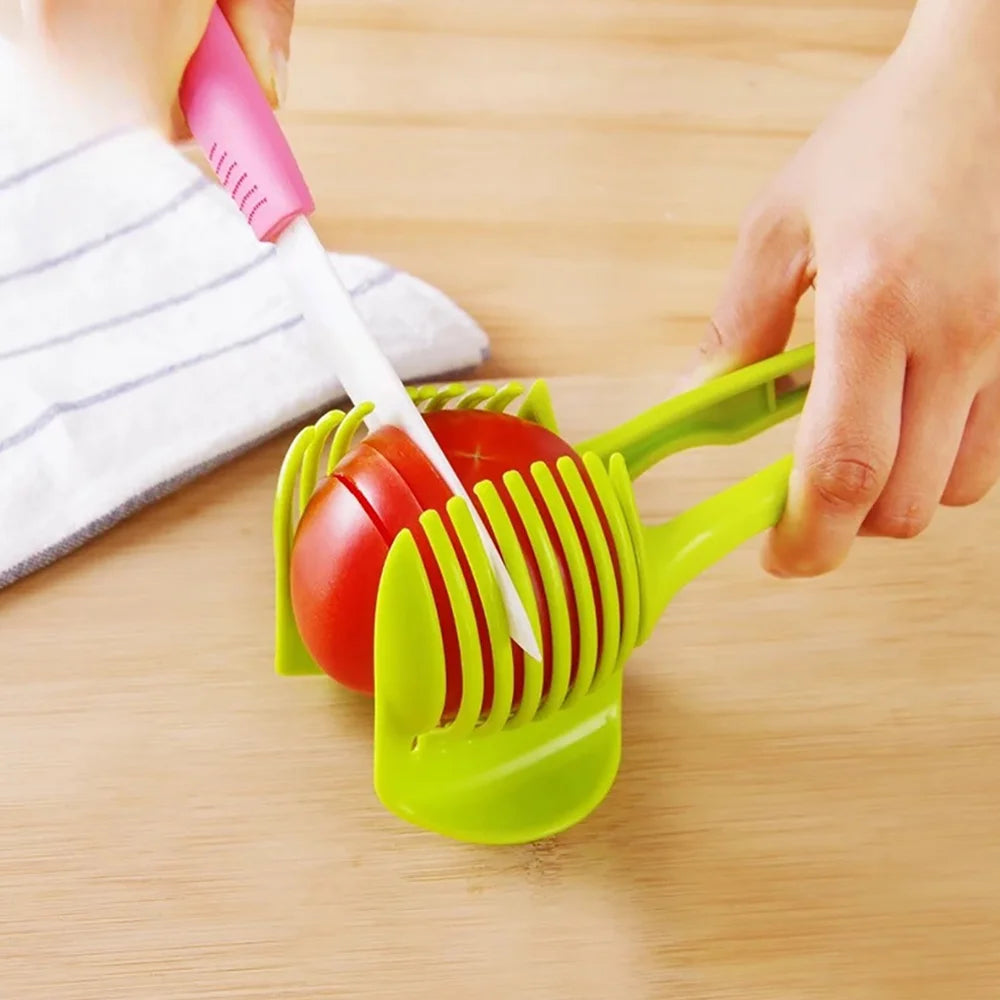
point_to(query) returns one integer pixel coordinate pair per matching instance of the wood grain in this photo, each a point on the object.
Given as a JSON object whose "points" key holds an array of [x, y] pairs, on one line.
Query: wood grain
{"points": [[807, 804], [572, 171]]}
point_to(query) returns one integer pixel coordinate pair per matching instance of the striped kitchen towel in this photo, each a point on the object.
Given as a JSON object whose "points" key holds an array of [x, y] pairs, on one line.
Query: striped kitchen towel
{"points": [[145, 335]]}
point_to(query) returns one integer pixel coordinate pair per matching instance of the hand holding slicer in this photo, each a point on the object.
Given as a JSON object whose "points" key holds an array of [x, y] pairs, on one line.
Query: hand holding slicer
{"points": [[474, 738], [489, 746]]}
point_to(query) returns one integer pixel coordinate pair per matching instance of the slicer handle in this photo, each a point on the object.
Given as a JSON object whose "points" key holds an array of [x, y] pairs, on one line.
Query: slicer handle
{"points": [[233, 124]]}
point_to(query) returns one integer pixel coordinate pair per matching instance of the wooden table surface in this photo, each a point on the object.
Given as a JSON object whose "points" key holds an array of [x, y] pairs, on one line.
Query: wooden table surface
{"points": [[807, 805]]}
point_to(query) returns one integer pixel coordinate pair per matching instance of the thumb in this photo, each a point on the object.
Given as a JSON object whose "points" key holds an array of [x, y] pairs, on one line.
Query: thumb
{"points": [[753, 317], [264, 29]]}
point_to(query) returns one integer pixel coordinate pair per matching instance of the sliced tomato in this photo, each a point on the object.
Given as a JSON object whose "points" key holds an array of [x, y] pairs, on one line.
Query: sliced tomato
{"points": [[409, 461], [337, 551], [384, 489], [381, 488]]}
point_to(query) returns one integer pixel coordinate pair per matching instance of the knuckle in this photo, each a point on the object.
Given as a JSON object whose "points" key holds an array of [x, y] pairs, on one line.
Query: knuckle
{"points": [[987, 312], [976, 344], [767, 225], [846, 478], [879, 297], [887, 290]]}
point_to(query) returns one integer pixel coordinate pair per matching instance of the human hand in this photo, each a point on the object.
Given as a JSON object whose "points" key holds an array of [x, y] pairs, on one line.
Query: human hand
{"points": [[128, 58], [891, 211]]}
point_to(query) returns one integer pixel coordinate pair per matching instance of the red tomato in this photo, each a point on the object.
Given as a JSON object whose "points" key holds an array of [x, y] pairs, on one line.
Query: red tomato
{"points": [[337, 550], [484, 445], [378, 490]]}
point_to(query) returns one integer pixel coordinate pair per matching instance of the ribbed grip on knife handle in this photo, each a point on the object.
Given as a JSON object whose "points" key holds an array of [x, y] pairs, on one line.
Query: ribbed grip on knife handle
{"points": [[230, 119]]}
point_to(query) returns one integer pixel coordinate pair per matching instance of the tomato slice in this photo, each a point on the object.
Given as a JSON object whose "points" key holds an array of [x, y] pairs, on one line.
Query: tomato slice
{"points": [[383, 489], [336, 563], [423, 480]]}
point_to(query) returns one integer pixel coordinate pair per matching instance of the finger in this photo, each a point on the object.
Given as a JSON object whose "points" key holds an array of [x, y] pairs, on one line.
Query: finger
{"points": [[264, 28], [769, 273], [178, 131], [977, 465], [936, 405], [848, 434], [124, 59]]}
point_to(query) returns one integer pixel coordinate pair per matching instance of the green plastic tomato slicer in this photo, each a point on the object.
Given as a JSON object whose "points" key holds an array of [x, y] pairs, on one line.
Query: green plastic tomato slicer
{"points": [[523, 770]]}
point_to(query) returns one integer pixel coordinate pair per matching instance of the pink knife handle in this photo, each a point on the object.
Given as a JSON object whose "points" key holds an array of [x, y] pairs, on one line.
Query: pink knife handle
{"points": [[234, 126]]}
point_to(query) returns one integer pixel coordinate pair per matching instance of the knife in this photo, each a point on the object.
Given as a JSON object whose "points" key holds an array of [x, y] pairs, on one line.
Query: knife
{"points": [[235, 128]]}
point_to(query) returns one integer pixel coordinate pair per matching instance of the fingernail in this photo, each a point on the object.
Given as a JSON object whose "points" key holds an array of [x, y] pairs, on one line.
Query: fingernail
{"points": [[707, 358], [796, 490], [279, 75], [770, 560], [709, 366], [773, 568], [791, 517], [702, 370], [684, 383]]}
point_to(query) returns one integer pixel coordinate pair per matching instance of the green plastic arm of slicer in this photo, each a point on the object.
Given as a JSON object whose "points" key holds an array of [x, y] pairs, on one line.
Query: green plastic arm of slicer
{"points": [[681, 549], [726, 410]]}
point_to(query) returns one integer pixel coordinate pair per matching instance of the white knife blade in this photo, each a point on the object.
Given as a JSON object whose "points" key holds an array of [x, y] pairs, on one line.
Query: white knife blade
{"points": [[367, 376]]}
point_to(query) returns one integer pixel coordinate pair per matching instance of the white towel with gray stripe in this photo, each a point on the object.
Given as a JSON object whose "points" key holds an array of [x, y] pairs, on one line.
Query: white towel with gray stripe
{"points": [[146, 336]]}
